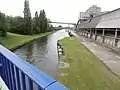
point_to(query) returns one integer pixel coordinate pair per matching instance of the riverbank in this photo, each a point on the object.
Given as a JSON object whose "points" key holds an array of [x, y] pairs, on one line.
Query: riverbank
{"points": [[13, 41], [82, 70]]}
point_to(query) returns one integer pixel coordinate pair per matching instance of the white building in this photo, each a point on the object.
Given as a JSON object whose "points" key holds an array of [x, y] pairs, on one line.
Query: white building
{"points": [[94, 10]]}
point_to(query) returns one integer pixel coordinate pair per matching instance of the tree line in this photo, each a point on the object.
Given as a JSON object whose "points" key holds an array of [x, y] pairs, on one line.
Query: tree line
{"points": [[25, 25]]}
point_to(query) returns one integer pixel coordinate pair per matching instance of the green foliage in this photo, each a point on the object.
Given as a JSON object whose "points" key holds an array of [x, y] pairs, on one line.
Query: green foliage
{"points": [[3, 25], [13, 40], [27, 18], [85, 71], [26, 25], [50, 28], [36, 23], [17, 25], [41, 24], [37, 19], [43, 21], [60, 26]]}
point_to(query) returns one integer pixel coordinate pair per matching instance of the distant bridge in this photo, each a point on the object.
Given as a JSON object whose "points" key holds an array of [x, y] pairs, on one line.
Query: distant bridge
{"points": [[63, 23], [57, 28]]}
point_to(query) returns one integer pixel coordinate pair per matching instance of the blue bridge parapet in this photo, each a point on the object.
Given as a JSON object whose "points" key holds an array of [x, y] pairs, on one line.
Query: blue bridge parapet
{"points": [[20, 75]]}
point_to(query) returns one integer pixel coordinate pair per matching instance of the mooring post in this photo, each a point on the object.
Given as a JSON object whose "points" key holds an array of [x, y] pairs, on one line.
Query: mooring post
{"points": [[115, 38], [103, 36]]}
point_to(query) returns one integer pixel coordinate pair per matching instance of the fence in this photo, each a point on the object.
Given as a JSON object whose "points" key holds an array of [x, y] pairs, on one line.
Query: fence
{"points": [[108, 37], [20, 75]]}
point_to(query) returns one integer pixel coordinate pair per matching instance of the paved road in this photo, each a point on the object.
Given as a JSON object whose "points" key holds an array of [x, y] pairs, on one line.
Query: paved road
{"points": [[106, 55]]}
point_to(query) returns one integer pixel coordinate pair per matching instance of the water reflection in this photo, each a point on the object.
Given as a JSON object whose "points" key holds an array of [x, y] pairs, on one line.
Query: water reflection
{"points": [[29, 53], [43, 52]]}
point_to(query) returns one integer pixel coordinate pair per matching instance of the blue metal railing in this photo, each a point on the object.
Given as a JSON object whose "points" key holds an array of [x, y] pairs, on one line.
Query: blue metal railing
{"points": [[20, 75]]}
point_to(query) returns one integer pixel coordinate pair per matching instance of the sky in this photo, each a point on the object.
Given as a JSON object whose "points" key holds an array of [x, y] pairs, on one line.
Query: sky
{"points": [[57, 10]]}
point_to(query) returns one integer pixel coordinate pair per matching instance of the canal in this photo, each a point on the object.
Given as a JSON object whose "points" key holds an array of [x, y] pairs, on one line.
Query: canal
{"points": [[42, 52]]}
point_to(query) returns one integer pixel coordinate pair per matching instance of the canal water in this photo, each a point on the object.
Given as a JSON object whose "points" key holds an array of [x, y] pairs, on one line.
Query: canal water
{"points": [[42, 52]]}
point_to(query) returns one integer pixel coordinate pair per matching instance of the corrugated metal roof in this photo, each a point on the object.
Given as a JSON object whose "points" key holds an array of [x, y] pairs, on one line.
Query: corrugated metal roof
{"points": [[107, 20], [110, 20], [83, 24], [91, 23], [94, 22]]}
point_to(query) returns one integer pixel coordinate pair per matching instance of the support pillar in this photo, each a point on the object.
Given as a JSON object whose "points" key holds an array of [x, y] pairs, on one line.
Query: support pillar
{"points": [[91, 34], [87, 34], [115, 38], [103, 36], [84, 32], [95, 34]]}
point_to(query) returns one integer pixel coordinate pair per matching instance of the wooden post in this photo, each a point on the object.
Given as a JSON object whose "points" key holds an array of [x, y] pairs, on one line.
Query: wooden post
{"points": [[90, 33], [95, 34], [115, 38], [103, 36]]}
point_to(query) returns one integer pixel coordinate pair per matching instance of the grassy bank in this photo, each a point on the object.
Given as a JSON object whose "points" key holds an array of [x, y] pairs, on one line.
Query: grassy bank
{"points": [[13, 40], [85, 71]]}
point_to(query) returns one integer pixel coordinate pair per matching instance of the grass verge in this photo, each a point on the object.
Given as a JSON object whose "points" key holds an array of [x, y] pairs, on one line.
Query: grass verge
{"points": [[85, 71], [14, 40]]}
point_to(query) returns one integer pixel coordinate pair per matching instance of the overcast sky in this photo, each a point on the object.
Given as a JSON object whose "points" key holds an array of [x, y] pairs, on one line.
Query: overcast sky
{"points": [[57, 10]]}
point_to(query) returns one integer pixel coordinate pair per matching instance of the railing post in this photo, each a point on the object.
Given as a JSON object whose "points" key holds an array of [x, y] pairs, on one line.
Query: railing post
{"points": [[115, 38], [103, 37], [13, 76], [23, 81], [10, 75], [18, 78], [95, 34], [30, 84]]}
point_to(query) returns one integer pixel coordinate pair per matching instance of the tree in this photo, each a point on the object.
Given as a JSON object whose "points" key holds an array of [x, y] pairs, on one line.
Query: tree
{"points": [[27, 18], [16, 25], [36, 19], [36, 23], [3, 25], [43, 21], [50, 27], [25, 25], [60, 26]]}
